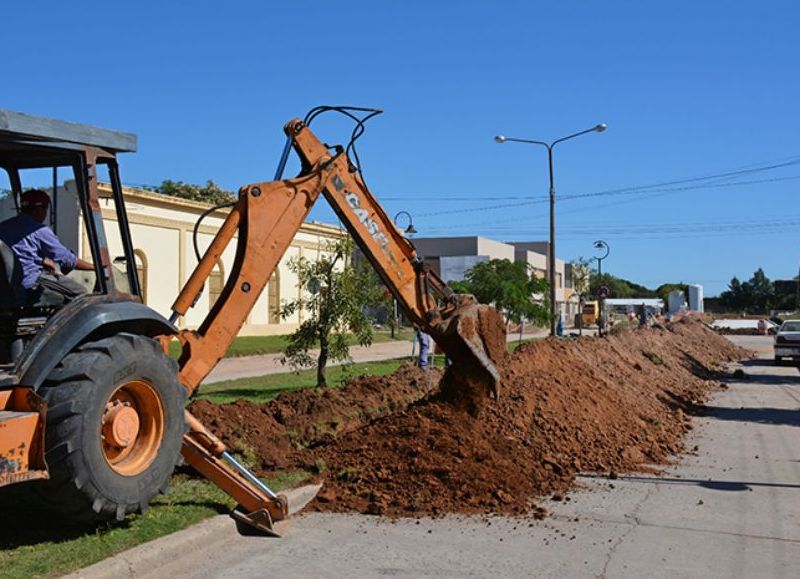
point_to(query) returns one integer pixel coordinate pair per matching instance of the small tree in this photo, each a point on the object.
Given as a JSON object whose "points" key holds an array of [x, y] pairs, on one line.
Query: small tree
{"points": [[337, 293], [511, 288], [581, 274]]}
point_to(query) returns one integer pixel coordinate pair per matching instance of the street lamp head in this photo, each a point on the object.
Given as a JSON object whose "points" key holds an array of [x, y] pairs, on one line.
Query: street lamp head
{"points": [[599, 244], [601, 127], [410, 230], [500, 139]]}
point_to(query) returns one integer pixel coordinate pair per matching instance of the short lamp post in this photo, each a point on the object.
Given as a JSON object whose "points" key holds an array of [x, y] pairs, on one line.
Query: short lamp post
{"points": [[552, 249], [410, 231], [603, 246]]}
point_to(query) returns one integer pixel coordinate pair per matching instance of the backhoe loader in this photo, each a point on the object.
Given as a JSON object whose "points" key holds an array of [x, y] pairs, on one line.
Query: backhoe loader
{"points": [[91, 407]]}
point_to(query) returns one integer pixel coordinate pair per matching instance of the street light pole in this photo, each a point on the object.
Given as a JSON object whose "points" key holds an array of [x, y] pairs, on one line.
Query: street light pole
{"points": [[551, 258]]}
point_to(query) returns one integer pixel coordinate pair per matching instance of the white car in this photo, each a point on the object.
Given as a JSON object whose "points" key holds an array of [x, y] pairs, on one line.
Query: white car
{"points": [[787, 341]]}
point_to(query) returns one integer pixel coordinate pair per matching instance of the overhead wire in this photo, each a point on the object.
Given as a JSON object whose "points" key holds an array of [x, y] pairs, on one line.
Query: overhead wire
{"points": [[644, 191], [713, 180]]}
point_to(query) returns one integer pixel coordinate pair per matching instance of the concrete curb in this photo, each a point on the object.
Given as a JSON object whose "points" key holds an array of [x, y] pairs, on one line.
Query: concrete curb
{"points": [[201, 542]]}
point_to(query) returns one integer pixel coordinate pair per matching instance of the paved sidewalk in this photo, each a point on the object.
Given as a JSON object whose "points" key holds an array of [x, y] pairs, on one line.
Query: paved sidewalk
{"points": [[251, 366]]}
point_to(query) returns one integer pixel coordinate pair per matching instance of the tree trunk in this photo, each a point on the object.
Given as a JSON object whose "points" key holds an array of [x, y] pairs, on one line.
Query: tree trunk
{"points": [[322, 362]]}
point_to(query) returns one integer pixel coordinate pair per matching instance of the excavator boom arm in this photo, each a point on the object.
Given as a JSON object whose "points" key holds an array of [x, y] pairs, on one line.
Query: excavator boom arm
{"points": [[266, 218]]}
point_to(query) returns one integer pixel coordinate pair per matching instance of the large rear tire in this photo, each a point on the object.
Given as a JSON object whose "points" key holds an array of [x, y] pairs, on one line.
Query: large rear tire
{"points": [[114, 428]]}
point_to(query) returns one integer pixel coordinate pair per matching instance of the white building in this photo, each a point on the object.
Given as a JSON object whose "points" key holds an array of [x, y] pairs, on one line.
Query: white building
{"points": [[451, 257]]}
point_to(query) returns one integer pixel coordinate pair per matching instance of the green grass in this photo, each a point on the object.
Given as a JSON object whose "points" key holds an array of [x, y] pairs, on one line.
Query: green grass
{"points": [[258, 345], [34, 545], [264, 388]]}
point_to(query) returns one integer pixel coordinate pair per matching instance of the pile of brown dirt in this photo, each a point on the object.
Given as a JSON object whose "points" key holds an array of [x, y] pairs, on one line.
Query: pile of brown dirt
{"points": [[566, 406], [274, 432], [608, 405]]}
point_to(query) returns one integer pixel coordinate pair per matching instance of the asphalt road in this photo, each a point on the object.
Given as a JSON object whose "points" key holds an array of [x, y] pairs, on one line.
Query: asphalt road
{"points": [[730, 509]]}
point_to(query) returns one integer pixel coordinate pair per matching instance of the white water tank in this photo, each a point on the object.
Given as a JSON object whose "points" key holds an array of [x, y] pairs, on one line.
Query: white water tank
{"points": [[696, 297], [675, 301]]}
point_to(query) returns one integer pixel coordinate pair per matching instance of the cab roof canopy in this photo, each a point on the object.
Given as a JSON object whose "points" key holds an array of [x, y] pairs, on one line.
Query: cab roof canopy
{"points": [[21, 129]]}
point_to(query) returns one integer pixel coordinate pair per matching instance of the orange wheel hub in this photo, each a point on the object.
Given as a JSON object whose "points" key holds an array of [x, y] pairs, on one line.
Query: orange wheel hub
{"points": [[132, 427]]}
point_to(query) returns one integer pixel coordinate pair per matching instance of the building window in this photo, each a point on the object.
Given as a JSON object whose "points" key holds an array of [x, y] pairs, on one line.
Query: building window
{"points": [[141, 272], [216, 281], [274, 298], [559, 280]]}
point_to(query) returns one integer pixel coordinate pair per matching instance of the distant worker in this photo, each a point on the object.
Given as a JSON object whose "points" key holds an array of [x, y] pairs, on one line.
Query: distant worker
{"points": [[642, 316], [38, 250], [601, 323], [424, 347], [763, 327], [560, 326]]}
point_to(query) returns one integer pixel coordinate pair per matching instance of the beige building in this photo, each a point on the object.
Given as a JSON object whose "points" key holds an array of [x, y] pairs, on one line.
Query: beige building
{"points": [[451, 257], [161, 230]]}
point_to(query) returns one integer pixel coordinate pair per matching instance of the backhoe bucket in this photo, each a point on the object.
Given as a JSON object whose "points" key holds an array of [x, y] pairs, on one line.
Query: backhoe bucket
{"points": [[474, 338]]}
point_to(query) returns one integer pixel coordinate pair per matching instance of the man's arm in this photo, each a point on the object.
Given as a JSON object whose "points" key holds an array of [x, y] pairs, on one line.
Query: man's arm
{"points": [[81, 264], [51, 249]]}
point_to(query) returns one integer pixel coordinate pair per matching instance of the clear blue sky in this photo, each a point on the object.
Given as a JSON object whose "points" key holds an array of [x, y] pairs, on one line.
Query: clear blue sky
{"points": [[688, 89]]}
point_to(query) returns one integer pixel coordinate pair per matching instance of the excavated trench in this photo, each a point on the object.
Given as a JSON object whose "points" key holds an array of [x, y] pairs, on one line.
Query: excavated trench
{"points": [[381, 446]]}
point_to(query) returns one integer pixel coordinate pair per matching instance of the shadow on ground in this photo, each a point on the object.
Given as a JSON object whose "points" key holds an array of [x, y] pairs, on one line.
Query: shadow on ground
{"points": [[780, 416], [715, 485], [28, 521]]}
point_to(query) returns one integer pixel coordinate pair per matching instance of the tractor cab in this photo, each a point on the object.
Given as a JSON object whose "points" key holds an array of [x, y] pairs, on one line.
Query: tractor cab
{"points": [[66, 160]]}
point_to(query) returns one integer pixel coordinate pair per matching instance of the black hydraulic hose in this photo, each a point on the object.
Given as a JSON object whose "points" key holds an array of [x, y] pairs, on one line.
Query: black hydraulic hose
{"points": [[358, 130], [205, 214]]}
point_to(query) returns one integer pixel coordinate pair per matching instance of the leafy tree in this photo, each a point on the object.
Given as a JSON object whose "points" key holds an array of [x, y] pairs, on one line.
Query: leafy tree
{"points": [[510, 287], [732, 298], [762, 290], [621, 288], [756, 294], [208, 193], [333, 306], [459, 286], [581, 276]]}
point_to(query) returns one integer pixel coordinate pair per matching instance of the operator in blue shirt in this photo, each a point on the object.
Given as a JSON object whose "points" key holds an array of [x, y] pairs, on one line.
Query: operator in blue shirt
{"points": [[38, 250]]}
